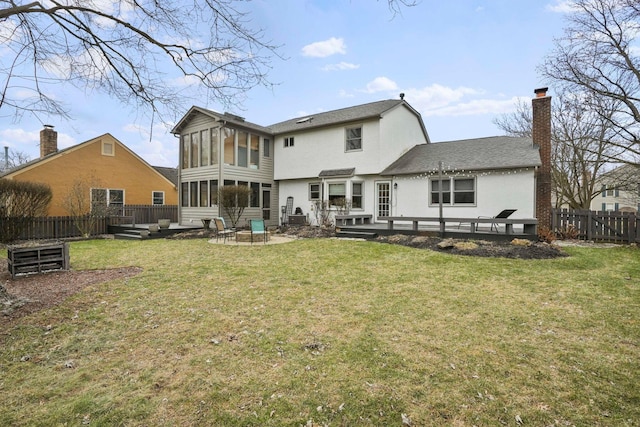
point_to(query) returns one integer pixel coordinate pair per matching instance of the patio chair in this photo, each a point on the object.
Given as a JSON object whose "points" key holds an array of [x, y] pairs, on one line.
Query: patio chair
{"points": [[258, 228], [506, 213], [222, 231]]}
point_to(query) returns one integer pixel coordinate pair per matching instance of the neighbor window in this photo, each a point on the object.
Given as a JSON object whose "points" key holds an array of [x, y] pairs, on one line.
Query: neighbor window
{"points": [[102, 198], [353, 139], [356, 195], [337, 193], [107, 148], [288, 142], [315, 191], [157, 198], [455, 191]]}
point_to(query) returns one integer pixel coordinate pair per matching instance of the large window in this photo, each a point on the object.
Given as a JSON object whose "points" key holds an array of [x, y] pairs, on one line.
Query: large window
{"points": [[103, 198], [337, 193], [254, 152], [185, 195], [353, 139], [456, 191], [193, 196], [195, 146], [204, 148], [243, 141], [267, 147], [204, 194], [356, 195], [213, 192], [185, 151], [229, 136], [255, 195]]}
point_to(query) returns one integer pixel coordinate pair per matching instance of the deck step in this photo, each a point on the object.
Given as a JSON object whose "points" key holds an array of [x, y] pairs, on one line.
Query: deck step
{"points": [[357, 234]]}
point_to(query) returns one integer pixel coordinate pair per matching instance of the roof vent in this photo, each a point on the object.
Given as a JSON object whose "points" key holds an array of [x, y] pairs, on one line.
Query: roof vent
{"points": [[402, 96], [304, 120]]}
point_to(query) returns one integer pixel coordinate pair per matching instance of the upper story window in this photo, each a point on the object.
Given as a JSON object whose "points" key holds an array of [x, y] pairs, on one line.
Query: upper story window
{"points": [[610, 191], [107, 148], [266, 147], [288, 142], [455, 191], [353, 139], [254, 152]]}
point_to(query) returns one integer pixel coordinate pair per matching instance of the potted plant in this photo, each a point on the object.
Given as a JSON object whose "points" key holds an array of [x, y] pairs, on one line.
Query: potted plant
{"points": [[164, 223]]}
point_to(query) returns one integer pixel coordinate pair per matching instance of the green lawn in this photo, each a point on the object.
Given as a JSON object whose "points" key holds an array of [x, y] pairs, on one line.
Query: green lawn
{"points": [[330, 332]]}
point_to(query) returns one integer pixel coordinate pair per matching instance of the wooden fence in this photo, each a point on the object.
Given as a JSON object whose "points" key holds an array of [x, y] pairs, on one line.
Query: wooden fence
{"points": [[616, 227], [60, 227]]}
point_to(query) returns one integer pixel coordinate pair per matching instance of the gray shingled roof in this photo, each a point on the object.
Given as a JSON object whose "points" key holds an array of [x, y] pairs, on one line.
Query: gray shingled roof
{"points": [[343, 115], [170, 173], [337, 172], [498, 152]]}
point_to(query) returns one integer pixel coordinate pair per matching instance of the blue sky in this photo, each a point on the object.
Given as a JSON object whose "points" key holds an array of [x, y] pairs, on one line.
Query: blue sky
{"points": [[460, 63]]}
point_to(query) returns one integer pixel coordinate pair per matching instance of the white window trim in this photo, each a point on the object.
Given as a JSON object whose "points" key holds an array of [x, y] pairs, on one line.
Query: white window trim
{"points": [[113, 148], [346, 138], [153, 198], [451, 191], [361, 194]]}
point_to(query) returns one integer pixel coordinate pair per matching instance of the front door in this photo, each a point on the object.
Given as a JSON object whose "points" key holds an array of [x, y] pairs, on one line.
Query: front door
{"points": [[383, 199]]}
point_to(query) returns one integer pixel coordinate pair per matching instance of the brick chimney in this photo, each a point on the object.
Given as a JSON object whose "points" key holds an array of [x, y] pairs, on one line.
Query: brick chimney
{"points": [[48, 141], [542, 139]]}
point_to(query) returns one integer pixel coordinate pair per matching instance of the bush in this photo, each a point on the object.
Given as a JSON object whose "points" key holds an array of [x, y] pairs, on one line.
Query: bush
{"points": [[20, 202], [234, 199], [567, 233], [546, 235]]}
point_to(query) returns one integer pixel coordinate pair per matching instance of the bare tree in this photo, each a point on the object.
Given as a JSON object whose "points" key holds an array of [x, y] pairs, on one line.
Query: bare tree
{"points": [[12, 159], [86, 202], [145, 53], [579, 142], [234, 199], [598, 58], [129, 49]]}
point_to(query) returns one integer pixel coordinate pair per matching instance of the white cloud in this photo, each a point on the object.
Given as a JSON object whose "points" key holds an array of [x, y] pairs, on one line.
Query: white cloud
{"points": [[381, 84], [325, 48], [160, 150], [341, 66], [438, 96], [28, 142], [562, 6], [439, 100]]}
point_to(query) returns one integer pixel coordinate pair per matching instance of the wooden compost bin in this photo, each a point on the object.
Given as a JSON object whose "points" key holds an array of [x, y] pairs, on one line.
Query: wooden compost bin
{"points": [[37, 259]]}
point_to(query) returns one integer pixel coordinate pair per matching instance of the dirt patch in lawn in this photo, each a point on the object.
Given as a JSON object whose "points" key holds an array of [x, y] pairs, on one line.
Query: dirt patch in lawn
{"points": [[31, 293]]}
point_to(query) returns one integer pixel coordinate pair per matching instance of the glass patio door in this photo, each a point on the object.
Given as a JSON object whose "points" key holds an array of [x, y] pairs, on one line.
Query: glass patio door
{"points": [[383, 199]]}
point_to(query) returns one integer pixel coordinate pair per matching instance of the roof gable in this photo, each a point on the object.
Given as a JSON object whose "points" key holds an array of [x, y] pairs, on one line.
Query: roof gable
{"points": [[499, 152], [225, 118]]}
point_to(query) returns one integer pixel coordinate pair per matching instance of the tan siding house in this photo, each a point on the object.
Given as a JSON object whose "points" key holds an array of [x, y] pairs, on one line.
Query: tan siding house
{"points": [[105, 164]]}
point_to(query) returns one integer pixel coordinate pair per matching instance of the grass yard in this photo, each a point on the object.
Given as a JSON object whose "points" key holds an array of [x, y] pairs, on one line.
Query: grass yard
{"points": [[329, 332]]}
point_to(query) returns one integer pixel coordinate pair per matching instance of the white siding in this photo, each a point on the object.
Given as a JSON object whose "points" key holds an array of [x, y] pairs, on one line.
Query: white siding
{"points": [[495, 191]]}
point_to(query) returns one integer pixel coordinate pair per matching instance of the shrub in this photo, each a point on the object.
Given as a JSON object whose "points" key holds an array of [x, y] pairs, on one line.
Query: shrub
{"points": [[546, 235], [20, 202], [568, 232]]}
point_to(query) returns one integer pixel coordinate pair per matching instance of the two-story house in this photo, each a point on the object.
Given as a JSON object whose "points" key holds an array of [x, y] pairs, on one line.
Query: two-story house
{"points": [[375, 158], [620, 190]]}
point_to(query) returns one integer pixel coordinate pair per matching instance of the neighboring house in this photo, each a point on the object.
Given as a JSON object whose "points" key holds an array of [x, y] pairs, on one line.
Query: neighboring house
{"points": [[103, 169], [620, 190], [377, 157]]}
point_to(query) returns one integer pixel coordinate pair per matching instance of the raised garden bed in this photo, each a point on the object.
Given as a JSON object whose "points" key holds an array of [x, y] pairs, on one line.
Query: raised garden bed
{"points": [[34, 259]]}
